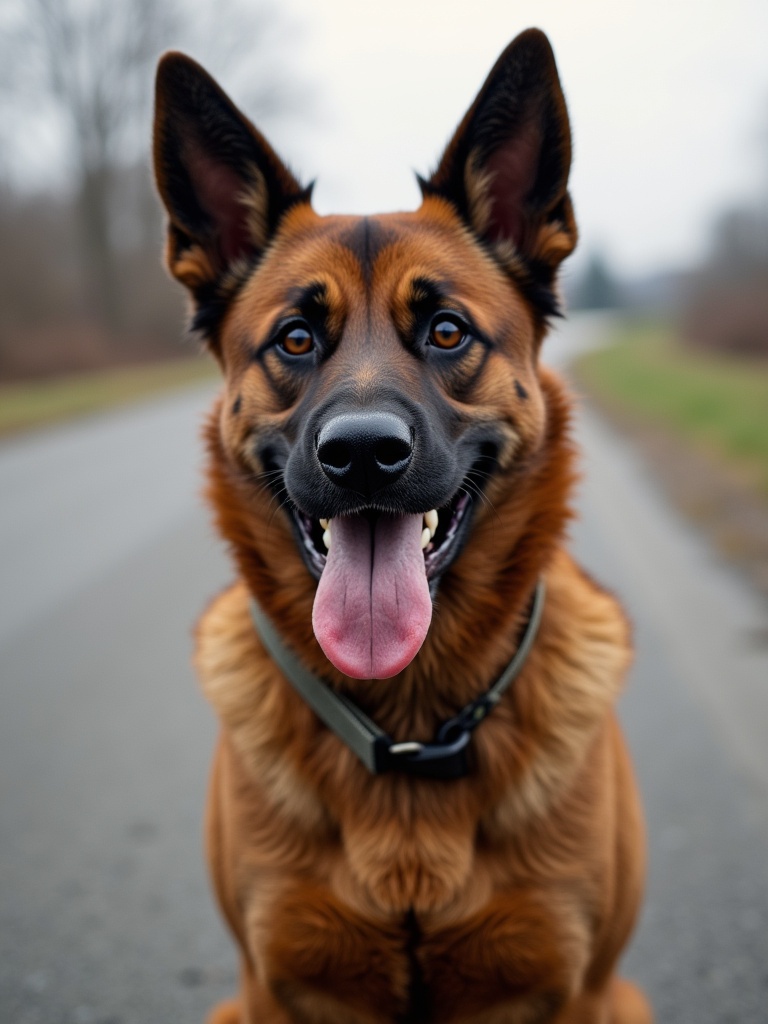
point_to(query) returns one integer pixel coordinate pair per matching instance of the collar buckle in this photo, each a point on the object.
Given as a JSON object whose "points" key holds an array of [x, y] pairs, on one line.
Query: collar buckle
{"points": [[446, 759]]}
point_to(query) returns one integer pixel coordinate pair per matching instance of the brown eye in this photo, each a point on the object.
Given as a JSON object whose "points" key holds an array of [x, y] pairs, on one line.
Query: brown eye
{"points": [[447, 333], [298, 341]]}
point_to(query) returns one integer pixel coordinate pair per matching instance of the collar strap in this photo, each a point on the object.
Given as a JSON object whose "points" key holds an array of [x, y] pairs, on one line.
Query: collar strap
{"points": [[445, 757]]}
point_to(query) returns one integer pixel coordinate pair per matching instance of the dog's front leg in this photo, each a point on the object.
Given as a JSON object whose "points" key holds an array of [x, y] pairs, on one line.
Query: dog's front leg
{"points": [[520, 960], [620, 1002], [255, 1005], [325, 963]]}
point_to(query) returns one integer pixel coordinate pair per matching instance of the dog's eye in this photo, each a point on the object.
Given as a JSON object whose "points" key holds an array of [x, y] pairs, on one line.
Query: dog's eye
{"points": [[447, 333], [297, 340]]}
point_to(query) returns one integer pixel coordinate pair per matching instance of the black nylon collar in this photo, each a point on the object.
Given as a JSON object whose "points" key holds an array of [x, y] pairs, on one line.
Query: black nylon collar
{"points": [[445, 757]]}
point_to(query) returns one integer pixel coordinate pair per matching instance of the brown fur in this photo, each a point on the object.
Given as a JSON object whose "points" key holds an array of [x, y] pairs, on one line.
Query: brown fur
{"points": [[505, 896]]}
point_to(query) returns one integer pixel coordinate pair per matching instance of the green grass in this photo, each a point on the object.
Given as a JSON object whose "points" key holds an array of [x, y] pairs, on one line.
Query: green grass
{"points": [[717, 403], [30, 404]]}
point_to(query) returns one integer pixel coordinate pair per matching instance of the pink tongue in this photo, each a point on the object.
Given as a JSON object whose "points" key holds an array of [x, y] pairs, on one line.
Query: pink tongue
{"points": [[372, 607]]}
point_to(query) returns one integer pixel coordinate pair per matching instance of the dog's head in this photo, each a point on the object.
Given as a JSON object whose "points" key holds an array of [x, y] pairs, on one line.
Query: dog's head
{"points": [[381, 372]]}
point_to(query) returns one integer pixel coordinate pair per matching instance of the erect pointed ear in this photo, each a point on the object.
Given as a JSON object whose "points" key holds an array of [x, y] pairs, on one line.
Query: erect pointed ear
{"points": [[506, 168], [223, 185]]}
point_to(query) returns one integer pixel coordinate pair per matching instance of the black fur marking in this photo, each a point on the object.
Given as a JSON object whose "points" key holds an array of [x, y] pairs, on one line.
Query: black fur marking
{"points": [[540, 294], [237, 405], [520, 390], [365, 241], [212, 300], [426, 292], [418, 1009], [312, 295]]}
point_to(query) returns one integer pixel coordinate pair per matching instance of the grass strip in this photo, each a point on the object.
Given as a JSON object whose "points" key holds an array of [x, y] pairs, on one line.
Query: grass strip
{"points": [[36, 403], [719, 404]]}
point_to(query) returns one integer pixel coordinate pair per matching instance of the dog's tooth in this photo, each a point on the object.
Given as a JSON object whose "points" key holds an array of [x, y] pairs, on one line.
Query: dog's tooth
{"points": [[430, 518], [327, 539], [325, 523], [426, 537]]}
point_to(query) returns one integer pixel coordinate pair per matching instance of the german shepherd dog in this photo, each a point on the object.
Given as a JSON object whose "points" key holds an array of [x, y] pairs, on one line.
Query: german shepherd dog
{"points": [[390, 466]]}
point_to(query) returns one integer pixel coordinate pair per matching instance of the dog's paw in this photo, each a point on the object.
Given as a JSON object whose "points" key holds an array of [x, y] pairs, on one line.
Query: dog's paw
{"points": [[225, 1013], [628, 1004]]}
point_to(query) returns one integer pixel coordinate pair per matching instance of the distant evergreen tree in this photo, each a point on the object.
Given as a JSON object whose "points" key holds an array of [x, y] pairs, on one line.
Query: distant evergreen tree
{"points": [[598, 288]]}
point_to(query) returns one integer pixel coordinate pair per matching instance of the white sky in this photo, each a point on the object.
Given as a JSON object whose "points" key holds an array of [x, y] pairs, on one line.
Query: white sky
{"points": [[668, 99], [668, 103]]}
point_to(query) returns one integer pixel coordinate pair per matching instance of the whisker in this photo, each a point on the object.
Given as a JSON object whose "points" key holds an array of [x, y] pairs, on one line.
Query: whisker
{"points": [[476, 491], [280, 504]]}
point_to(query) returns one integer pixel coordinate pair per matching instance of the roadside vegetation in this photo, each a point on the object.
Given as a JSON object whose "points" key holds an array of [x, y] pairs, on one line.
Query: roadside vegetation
{"points": [[715, 402], [700, 418], [36, 403]]}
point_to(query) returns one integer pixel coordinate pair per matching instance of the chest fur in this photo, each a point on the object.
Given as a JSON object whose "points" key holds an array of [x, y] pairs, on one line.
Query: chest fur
{"points": [[326, 961]]}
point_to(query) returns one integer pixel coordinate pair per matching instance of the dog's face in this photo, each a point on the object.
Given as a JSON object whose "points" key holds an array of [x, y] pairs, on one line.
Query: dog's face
{"points": [[381, 372]]}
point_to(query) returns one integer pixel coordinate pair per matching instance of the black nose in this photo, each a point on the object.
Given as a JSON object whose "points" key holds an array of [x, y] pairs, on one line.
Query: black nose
{"points": [[365, 451]]}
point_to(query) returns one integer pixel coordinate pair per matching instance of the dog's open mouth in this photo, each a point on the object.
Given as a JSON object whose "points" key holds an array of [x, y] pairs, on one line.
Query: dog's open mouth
{"points": [[373, 607], [440, 528]]}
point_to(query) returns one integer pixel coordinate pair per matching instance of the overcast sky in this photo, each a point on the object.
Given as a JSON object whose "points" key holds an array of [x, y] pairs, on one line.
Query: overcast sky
{"points": [[668, 100]]}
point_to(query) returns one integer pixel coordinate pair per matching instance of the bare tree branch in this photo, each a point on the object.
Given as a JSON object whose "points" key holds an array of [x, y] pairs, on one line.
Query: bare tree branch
{"points": [[91, 62]]}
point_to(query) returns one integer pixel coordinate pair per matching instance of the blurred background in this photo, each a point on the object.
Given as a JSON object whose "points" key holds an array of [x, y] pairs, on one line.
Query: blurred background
{"points": [[106, 556]]}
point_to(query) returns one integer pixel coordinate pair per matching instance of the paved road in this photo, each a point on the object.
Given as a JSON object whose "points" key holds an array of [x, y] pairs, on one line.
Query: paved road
{"points": [[107, 558]]}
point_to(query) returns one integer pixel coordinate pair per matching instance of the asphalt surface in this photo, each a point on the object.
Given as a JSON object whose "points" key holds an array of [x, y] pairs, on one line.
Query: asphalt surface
{"points": [[106, 558]]}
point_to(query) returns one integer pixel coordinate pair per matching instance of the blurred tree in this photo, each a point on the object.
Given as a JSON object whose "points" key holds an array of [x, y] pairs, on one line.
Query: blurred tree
{"points": [[739, 243], [597, 288], [90, 63], [92, 60], [726, 303]]}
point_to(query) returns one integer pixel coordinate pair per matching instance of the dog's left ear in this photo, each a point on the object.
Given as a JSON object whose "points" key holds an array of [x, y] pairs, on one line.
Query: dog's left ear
{"points": [[506, 168]]}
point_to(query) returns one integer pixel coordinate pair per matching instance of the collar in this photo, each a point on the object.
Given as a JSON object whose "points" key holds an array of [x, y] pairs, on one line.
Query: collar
{"points": [[445, 757]]}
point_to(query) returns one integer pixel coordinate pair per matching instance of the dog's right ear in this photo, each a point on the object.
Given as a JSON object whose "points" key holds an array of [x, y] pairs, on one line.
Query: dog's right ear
{"points": [[223, 185]]}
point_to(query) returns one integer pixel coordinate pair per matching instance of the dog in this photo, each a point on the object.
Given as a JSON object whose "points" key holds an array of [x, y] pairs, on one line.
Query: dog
{"points": [[421, 807]]}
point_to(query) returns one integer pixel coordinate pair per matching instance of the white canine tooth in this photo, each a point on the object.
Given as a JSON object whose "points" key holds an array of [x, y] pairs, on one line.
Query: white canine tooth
{"points": [[324, 523], [327, 539], [426, 537], [430, 518]]}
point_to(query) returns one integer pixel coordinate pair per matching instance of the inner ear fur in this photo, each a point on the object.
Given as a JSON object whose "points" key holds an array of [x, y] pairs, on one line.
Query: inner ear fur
{"points": [[224, 187], [506, 168]]}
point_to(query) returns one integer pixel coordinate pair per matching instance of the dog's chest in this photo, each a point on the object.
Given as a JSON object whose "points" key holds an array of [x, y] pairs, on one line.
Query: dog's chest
{"points": [[393, 867], [466, 961], [414, 912]]}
